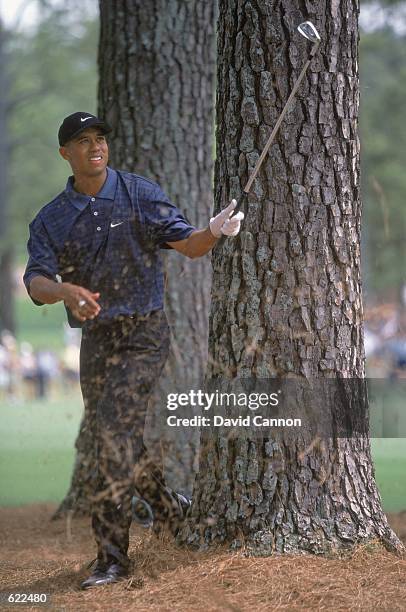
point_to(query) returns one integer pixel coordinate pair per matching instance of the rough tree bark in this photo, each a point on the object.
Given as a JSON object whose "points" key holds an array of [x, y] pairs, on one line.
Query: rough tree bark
{"points": [[286, 297], [157, 70]]}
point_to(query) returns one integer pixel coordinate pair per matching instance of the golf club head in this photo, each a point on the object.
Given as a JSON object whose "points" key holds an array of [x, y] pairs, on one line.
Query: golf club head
{"points": [[142, 512], [308, 30]]}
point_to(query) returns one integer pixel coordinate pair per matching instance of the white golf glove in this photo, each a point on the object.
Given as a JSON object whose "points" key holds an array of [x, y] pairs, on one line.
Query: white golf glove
{"points": [[223, 224]]}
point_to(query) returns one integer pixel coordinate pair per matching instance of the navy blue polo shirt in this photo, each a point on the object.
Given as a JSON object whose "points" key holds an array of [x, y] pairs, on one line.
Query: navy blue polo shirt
{"points": [[109, 243]]}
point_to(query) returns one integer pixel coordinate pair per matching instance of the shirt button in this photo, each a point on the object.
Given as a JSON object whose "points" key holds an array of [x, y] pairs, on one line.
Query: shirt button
{"points": [[95, 213], [93, 199], [98, 228]]}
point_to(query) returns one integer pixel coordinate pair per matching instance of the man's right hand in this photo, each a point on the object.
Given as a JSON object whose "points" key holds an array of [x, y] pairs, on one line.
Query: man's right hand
{"points": [[81, 302]]}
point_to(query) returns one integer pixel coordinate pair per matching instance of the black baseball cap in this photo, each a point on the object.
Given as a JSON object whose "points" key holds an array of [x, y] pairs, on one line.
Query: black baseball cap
{"points": [[77, 122]]}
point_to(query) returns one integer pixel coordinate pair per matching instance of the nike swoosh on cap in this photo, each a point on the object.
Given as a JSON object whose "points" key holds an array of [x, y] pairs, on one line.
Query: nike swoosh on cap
{"points": [[85, 119]]}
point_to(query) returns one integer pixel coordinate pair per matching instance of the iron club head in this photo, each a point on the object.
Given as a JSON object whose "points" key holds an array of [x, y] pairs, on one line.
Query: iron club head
{"points": [[308, 30]]}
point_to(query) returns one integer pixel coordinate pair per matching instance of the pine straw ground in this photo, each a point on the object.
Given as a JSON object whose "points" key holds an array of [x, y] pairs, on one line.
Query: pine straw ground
{"points": [[38, 556]]}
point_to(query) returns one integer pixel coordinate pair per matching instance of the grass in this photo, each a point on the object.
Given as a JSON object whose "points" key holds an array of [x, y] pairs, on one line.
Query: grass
{"points": [[390, 469], [37, 449], [387, 405], [37, 453]]}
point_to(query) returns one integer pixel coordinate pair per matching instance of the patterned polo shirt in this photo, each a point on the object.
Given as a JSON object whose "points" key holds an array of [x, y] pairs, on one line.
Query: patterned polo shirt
{"points": [[110, 243]]}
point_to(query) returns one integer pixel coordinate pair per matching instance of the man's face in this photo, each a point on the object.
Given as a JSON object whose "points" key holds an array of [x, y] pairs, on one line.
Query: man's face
{"points": [[87, 153]]}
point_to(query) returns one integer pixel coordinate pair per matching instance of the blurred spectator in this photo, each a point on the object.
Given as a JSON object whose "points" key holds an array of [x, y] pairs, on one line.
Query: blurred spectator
{"points": [[4, 372], [26, 374], [385, 340], [28, 368], [46, 370], [395, 352], [70, 365], [11, 365], [372, 342], [70, 356]]}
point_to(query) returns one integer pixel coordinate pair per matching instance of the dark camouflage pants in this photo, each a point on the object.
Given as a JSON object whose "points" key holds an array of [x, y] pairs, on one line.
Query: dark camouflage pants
{"points": [[120, 364]]}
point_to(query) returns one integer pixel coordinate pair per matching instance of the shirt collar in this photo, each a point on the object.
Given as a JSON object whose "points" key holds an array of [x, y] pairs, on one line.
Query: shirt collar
{"points": [[81, 200]]}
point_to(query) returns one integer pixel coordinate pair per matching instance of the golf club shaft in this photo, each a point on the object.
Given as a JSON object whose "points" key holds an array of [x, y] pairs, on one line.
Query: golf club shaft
{"points": [[240, 202], [271, 138], [277, 126]]}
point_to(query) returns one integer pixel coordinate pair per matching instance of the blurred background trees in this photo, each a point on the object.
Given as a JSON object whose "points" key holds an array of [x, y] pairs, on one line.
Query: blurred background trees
{"points": [[51, 69], [383, 146], [46, 69]]}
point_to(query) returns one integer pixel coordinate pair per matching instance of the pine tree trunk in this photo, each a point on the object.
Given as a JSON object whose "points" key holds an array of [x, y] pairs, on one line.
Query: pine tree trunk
{"points": [[287, 299], [157, 70]]}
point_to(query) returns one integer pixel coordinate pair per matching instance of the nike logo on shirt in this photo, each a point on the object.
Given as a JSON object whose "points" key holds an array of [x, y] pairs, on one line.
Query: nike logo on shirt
{"points": [[115, 224]]}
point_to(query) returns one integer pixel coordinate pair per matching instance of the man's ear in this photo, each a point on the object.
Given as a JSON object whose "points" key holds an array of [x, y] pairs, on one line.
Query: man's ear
{"points": [[63, 151]]}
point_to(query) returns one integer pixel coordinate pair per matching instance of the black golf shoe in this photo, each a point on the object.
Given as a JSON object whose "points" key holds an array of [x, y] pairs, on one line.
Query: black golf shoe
{"points": [[105, 573]]}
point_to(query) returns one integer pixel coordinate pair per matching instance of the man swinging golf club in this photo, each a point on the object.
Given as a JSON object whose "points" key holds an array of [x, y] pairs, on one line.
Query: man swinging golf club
{"points": [[102, 237]]}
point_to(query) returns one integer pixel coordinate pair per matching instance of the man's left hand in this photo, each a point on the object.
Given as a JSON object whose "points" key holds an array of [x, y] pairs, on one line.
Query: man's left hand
{"points": [[223, 223]]}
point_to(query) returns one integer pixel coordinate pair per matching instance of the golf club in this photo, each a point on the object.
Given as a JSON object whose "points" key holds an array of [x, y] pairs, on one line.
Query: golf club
{"points": [[142, 512], [308, 30]]}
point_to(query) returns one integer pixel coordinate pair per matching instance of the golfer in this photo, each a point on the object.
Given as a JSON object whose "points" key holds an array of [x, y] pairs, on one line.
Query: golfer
{"points": [[96, 247]]}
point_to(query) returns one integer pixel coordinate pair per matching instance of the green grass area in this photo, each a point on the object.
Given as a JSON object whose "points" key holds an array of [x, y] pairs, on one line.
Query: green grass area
{"points": [[390, 470], [37, 453], [37, 449], [387, 406], [42, 326]]}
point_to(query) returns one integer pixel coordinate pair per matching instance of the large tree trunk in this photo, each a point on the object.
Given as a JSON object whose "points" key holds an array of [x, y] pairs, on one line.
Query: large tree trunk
{"points": [[157, 70], [286, 297]]}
